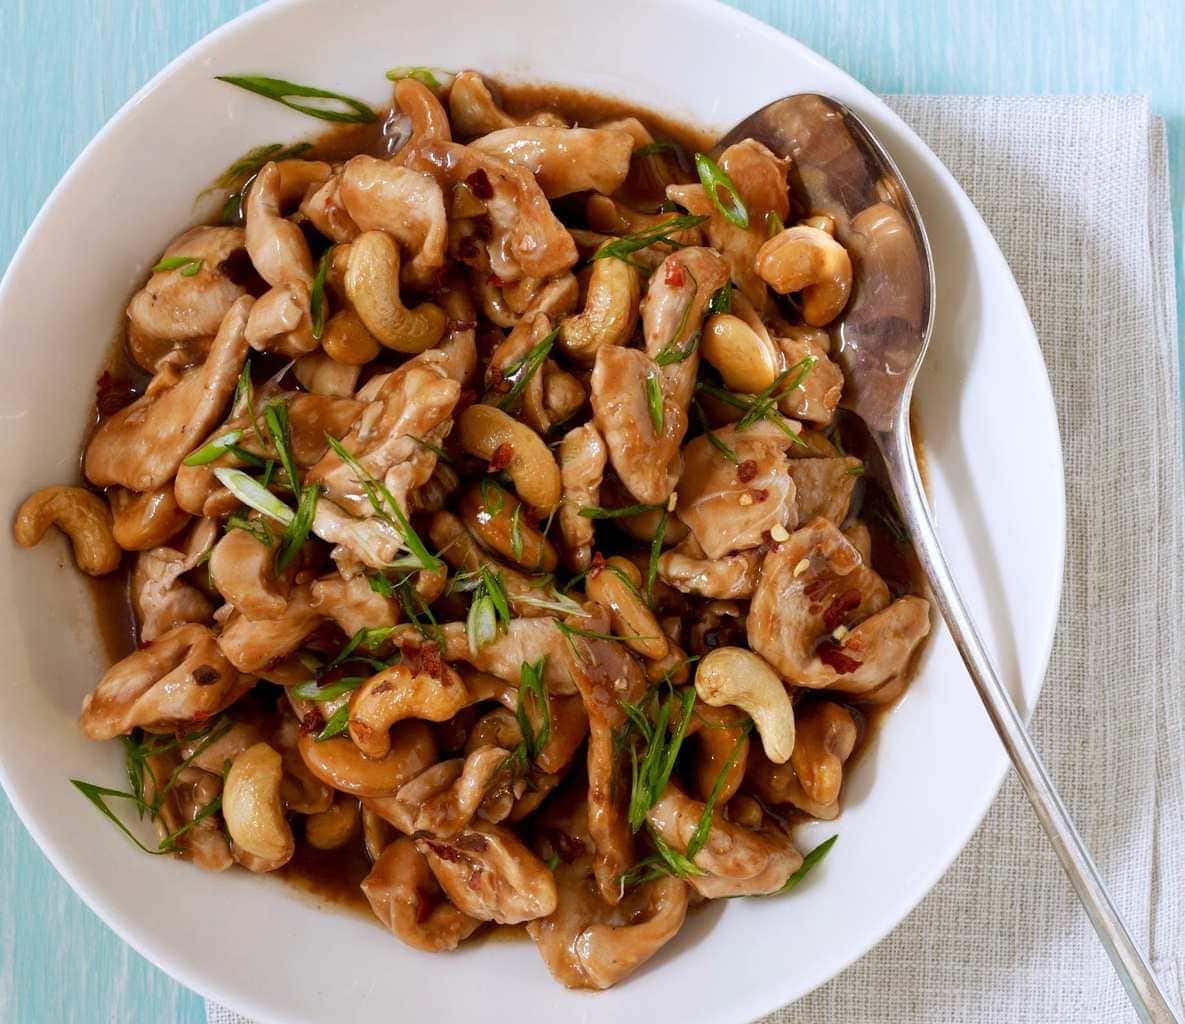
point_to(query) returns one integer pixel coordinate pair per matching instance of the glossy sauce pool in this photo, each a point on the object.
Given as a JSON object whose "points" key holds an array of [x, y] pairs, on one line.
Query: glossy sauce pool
{"points": [[331, 878]]}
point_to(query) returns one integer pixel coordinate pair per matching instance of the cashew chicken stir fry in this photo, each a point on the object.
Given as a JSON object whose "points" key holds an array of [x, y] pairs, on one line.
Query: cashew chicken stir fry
{"points": [[484, 503]]}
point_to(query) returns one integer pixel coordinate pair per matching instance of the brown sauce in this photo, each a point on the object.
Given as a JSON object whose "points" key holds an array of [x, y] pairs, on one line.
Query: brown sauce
{"points": [[332, 877]]}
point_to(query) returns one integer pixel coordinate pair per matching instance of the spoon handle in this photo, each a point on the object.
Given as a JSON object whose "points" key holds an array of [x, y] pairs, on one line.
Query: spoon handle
{"points": [[1146, 996]]}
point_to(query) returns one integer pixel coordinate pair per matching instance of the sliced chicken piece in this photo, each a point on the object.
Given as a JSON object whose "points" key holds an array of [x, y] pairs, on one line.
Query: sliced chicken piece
{"points": [[522, 640], [824, 487], [354, 604], [736, 861], [379, 195], [443, 799], [473, 111], [823, 619], [686, 568], [181, 312], [141, 446], [731, 506], [817, 397], [582, 466], [565, 160], [760, 180], [489, 874], [526, 237], [406, 898], [587, 942], [178, 679], [161, 599], [243, 570], [606, 676], [252, 646]]}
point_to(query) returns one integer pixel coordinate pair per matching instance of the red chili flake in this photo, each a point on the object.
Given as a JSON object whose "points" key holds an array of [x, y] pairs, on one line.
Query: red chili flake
{"points": [[496, 281], [831, 654], [837, 611], [674, 277], [431, 662], [466, 398], [112, 394], [567, 847], [746, 471], [474, 882], [768, 542], [205, 675], [312, 722], [596, 565], [444, 852], [479, 184], [466, 249], [816, 588], [501, 457], [758, 494]]}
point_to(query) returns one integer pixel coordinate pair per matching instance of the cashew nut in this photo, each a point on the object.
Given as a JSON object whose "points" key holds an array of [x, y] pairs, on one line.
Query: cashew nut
{"points": [[733, 675], [397, 693], [610, 311], [277, 247], [340, 764], [484, 429], [428, 118], [145, 520], [346, 339], [498, 520], [826, 737], [252, 808], [242, 570], [333, 828], [372, 286], [81, 515], [747, 362], [808, 260], [615, 587]]}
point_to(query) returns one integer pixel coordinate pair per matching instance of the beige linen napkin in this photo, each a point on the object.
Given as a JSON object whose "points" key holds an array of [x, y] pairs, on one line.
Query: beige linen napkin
{"points": [[1076, 192]]}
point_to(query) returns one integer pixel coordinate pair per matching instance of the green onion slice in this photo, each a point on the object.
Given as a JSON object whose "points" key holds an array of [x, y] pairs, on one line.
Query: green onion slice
{"points": [[713, 178], [279, 90], [252, 494]]}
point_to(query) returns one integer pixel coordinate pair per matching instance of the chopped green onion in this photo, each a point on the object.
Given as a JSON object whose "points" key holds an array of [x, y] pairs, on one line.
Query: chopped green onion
{"points": [[653, 148], [654, 401], [188, 265], [492, 584], [423, 75], [297, 532], [520, 372], [313, 691], [253, 495], [376, 494], [253, 527], [317, 296], [855, 470], [380, 584], [700, 836], [552, 862], [721, 301], [773, 224], [713, 440], [338, 723], [251, 162], [485, 487], [655, 553], [531, 685], [671, 353], [713, 178], [439, 452], [557, 602], [481, 626], [244, 400], [595, 512], [215, 449], [516, 533], [652, 772], [280, 91], [622, 248], [808, 862], [275, 418]]}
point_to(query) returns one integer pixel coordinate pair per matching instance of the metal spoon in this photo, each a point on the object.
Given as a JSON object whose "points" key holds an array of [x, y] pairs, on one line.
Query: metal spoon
{"points": [[841, 169]]}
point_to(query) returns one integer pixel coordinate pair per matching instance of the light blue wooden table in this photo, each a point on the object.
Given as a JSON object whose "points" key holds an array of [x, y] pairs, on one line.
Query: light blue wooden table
{"points": [[70, 64]]}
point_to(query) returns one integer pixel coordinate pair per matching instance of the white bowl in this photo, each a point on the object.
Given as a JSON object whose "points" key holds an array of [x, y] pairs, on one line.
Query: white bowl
{"points": [[983, 404]]}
